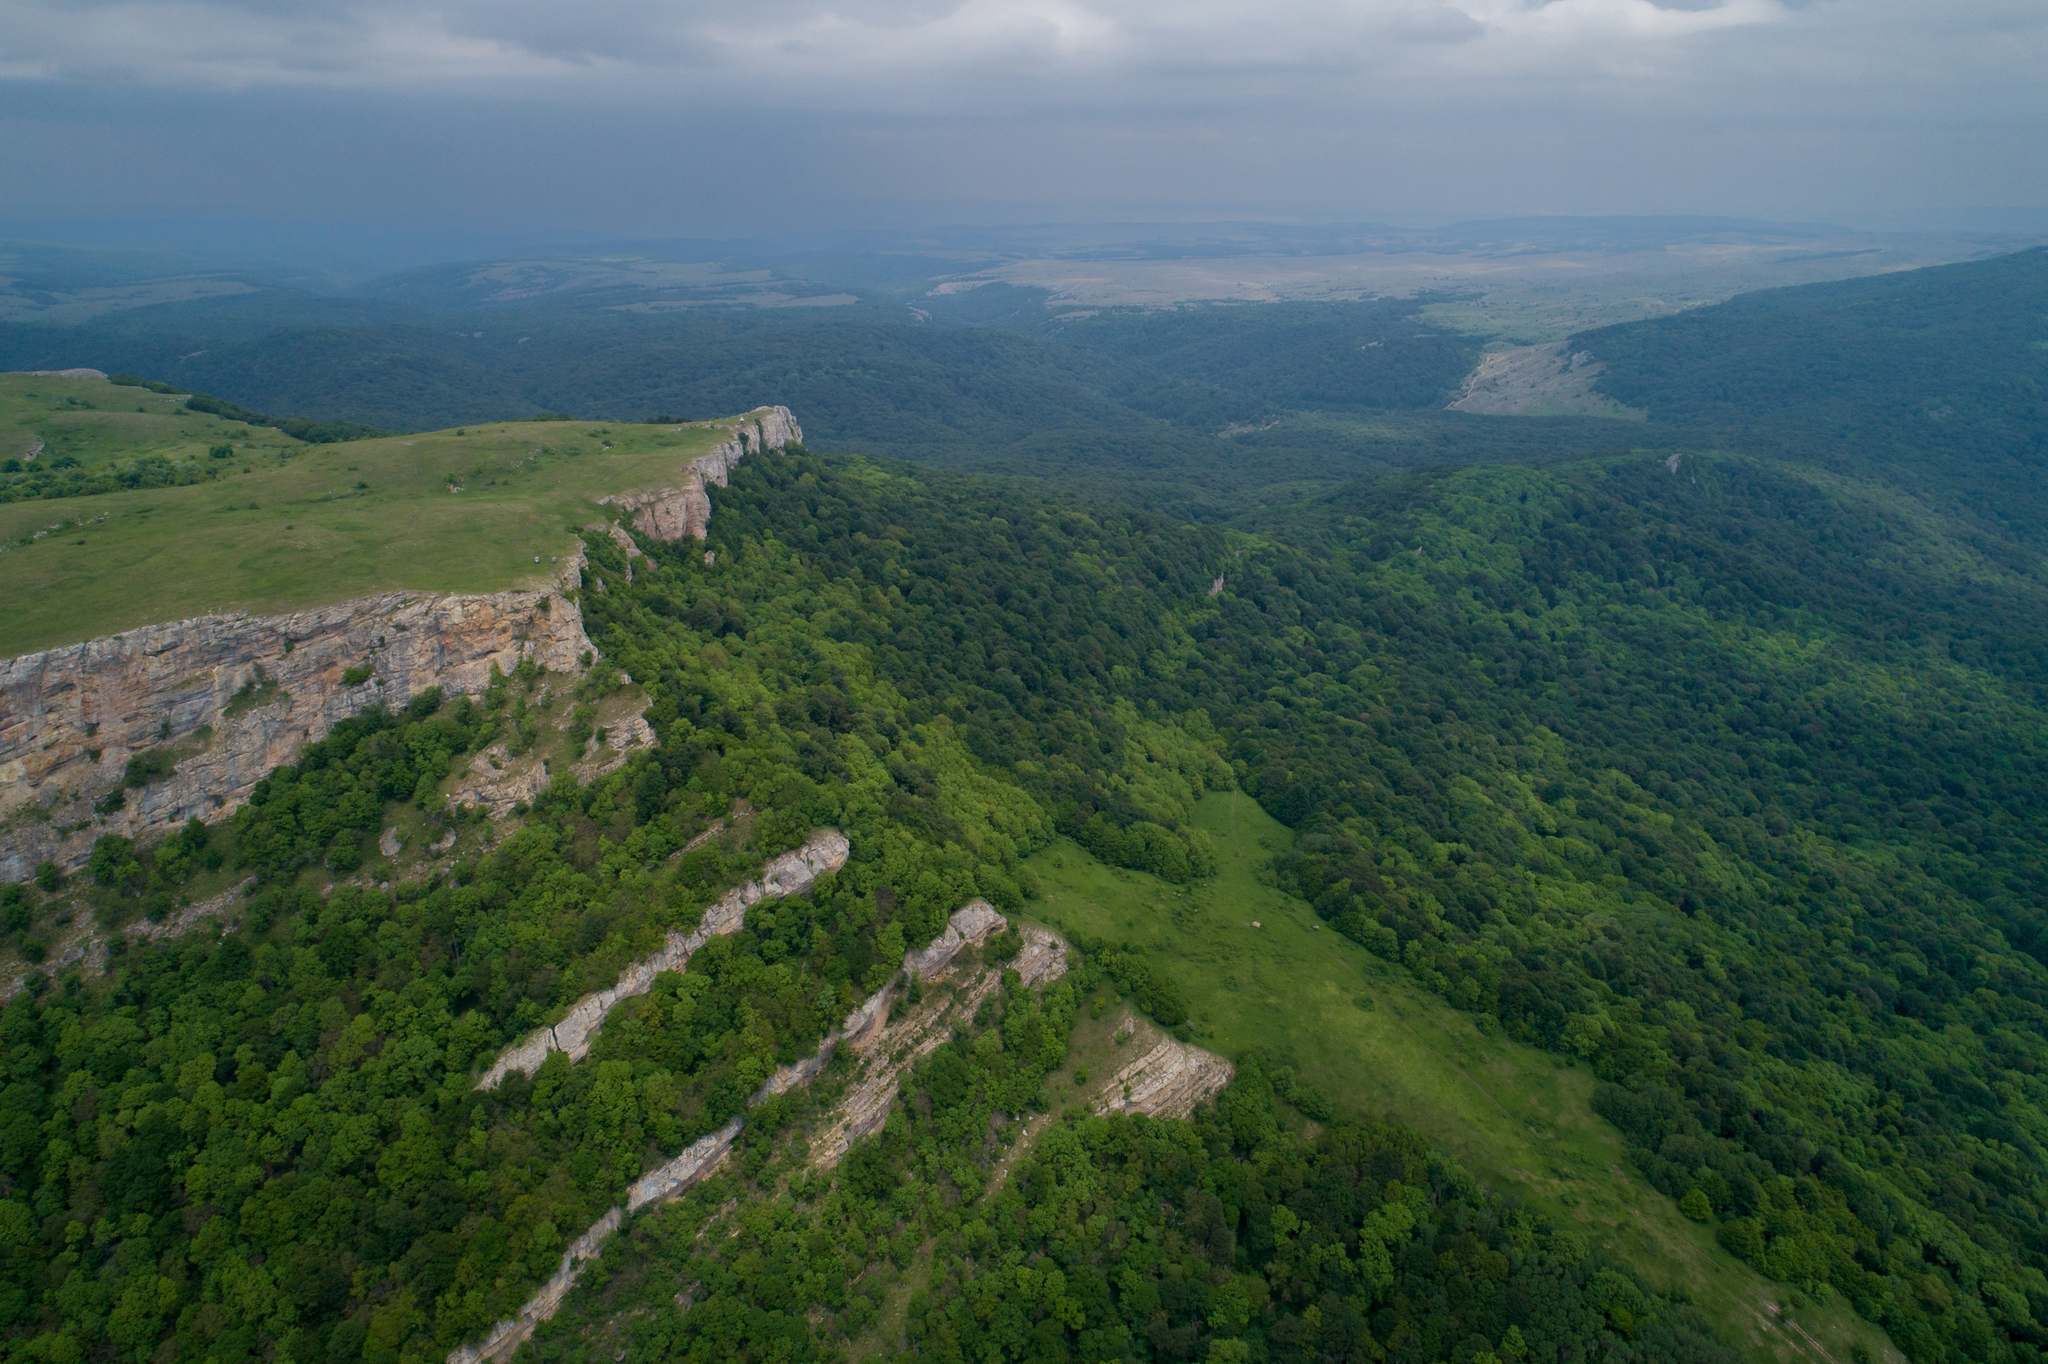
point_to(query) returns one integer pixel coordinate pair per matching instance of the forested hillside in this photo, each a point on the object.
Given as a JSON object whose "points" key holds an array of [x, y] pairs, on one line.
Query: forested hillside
{"points": [[1706, 755], [1724, 780], [1936, 379], [269, 1144], [864, 375], [1172, 410]]}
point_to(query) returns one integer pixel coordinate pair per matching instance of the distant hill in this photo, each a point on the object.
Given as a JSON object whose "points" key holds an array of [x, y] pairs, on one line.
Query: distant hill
{"points": [[1136, 403], [1936, 379]]}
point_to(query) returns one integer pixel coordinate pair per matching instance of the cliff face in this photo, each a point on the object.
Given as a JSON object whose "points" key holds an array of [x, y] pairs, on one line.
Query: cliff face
{"points": [[684, 509], [215, 702], [223, 699]]}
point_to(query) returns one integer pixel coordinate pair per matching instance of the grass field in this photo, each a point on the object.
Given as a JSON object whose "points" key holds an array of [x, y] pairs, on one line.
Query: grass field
{"points": [[284, 525], [1518, 1118]]}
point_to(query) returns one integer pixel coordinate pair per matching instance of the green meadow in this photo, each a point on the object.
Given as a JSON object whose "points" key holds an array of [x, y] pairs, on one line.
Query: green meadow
{"points": [[280, 524], [1518, 1118]]}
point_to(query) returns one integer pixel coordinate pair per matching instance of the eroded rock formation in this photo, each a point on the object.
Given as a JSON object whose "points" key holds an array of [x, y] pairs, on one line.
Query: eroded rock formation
{"points": [[684, 508], [792, 873], [1043, 958], [221, 700], [1167, 1081], [890, 1048]]}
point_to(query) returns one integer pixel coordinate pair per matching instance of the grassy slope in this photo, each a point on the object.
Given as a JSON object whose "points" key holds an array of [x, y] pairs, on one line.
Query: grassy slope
{"points": [[284, 524], [1519, 1118]]}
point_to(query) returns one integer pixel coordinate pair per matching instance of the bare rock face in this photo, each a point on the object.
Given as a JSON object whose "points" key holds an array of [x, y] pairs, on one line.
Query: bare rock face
{"points": [[972, 923], [1168, 1081], [217, 701], [221, 700], [889, 1048], [684, 510]]}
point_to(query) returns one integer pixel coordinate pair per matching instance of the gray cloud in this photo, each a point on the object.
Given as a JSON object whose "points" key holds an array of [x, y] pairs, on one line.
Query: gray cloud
{"points": [[1179, 105]]}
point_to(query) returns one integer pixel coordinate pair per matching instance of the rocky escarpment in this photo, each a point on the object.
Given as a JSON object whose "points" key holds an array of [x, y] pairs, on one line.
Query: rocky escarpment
{"points": [[684, 508], [887, 1049], [1168, 1081], [208, 706], [792, 873]]}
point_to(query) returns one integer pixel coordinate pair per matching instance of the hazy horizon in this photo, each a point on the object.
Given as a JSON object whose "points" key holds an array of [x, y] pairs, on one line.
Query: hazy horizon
{"points": [[714, 120]]}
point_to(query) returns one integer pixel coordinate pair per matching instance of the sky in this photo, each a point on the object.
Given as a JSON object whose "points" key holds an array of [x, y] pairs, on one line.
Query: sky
{"points": [[722, 117]]}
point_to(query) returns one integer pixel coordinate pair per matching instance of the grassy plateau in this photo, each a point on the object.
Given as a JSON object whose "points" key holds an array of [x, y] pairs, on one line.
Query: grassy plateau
{"points": [[280, 524]]}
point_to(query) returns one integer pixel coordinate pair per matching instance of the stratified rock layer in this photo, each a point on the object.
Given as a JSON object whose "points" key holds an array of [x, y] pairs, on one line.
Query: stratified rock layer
{"points": [[683, 510], [1042, 958], [221, 700], [792, 873], [888, 1049], [227, 698], [1168, 1081]]}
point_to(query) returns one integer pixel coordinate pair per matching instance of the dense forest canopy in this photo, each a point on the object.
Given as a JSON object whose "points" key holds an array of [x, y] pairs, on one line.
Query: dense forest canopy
{"points": [[1719, 772], [1933, 379]]}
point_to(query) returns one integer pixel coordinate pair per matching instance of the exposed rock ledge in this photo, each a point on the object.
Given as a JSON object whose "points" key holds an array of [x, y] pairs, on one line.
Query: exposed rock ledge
{"points": [[1169, 1081], [890, 1048], [792, 873], [229, 697], [685, 509]]}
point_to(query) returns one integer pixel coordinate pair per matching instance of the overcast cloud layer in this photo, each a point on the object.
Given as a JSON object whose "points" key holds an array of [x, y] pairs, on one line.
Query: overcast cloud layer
{"points": [[624, 114]]}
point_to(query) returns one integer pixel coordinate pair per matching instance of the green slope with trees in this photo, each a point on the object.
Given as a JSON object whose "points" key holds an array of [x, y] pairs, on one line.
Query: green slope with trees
{"points": [[1935, 379], [1718, 776]]}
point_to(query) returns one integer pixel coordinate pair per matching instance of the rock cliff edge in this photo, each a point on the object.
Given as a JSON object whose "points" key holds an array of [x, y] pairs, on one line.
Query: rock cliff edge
{"points": [[210, 705]]}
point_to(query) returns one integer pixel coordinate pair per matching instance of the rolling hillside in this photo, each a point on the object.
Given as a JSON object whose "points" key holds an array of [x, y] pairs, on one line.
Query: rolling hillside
{"points": [[1615, 873], [1935, 380]]}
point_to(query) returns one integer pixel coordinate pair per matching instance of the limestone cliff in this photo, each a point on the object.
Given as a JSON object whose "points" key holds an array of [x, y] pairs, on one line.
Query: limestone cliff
{"points": [[213, 703], [221, 700], [684, 509]]}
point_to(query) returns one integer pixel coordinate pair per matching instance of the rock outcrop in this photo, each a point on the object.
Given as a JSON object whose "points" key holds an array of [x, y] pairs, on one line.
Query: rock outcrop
{"points": [[218, 701], [684, 509], [221, 700], [889, 1048], [969, 926], [1537, 381], [1168, 1081], [792, 873]]}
